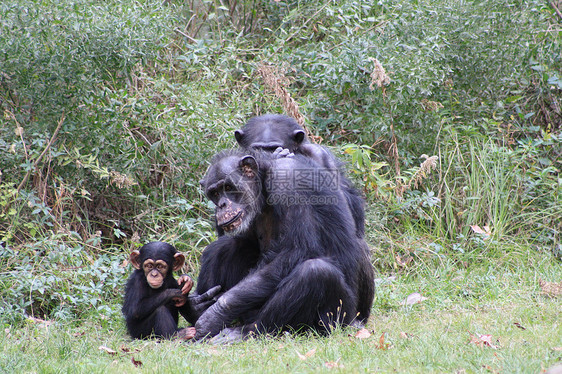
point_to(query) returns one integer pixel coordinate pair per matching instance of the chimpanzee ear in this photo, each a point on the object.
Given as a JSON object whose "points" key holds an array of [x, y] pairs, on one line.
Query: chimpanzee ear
{"points": [[239, 136], [298, 136], [249, 166], [179, 260], [134, 257]]}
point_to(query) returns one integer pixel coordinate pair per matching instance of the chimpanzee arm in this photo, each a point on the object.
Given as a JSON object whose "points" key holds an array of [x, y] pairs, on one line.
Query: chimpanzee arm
{"points": [[139, 303], [226, 262], [320, 154], [197, 304], [251, 292]]}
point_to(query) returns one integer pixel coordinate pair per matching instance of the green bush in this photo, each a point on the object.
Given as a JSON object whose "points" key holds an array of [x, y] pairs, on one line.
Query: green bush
{"points": [[53, 278], [145, 92]]}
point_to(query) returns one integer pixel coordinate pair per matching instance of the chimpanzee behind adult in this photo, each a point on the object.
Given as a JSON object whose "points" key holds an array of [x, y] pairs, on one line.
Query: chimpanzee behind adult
{"points": [[271, 131], [298, 261], [153, 297]]}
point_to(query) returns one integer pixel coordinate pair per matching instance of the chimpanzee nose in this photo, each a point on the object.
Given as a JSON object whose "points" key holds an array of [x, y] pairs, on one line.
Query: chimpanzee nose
{"points": [[222, 202]]}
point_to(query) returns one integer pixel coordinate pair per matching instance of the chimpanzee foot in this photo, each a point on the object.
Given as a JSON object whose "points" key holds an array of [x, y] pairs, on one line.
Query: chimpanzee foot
{"points": [[227, 336], [186, 333]]}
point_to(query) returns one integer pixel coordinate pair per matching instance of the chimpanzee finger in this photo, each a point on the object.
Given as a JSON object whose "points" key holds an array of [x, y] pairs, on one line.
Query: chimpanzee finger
{"points": [[204, 305], [210, 294], [282, 152], [186, 284]]}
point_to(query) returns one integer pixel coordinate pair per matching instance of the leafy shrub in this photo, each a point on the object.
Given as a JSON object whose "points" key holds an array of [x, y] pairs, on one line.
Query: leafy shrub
{"points": [[145, 92], [52, 278]]}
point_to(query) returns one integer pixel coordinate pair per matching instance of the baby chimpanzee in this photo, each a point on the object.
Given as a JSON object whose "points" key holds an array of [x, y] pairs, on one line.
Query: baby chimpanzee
{"points": [[153, 297]]}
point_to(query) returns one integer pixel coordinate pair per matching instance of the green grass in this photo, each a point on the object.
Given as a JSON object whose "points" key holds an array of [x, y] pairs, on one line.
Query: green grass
{"points": [[503, 300], [151, 89]]}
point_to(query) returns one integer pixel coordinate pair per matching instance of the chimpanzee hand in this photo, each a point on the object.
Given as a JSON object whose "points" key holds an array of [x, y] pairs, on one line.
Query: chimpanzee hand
{"points": [[200, 303], [211, 322], [282, 153], [185, 283], [179, 301]]}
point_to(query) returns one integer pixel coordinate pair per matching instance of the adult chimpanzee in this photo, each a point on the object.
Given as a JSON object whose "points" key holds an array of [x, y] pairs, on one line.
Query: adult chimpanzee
{"points": [[153, 297], [296, 259], [270, 131]]}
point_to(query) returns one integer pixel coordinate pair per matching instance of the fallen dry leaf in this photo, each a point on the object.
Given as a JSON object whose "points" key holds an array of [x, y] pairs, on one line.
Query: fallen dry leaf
{"points": [[107, 350], [135, 362], [126, 349], [487, 339], [403, 261], [517, 324], [483, 340], [333, 365], [413, 298], [551, 289], [307, 354], [405, 335], [476, 340], [382, 345], [557, 349], [486, 232], [362, 334], [310, 353]]}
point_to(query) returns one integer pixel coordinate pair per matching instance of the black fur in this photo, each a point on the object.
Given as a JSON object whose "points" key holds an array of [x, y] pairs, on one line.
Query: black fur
{"points": [[297, 264], [152, 312], [271, 131]]}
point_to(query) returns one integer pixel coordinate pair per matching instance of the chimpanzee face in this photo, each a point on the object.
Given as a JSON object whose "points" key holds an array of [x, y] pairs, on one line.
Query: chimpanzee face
{"points": [[232, 183], [157, 260], [155, 272], [269, 132]]}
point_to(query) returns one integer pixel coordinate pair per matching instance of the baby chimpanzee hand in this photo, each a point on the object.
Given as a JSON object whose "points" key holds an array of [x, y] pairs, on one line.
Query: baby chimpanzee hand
{"points": [[186, 283]]}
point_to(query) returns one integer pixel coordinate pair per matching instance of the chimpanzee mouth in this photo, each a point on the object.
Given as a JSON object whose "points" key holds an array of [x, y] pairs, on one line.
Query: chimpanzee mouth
{"points": [[234, 223], [154, 282]]}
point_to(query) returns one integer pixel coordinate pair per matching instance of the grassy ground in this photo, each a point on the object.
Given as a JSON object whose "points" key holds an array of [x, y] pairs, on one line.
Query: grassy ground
{"points": [[447, 332], [146, 91]]}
